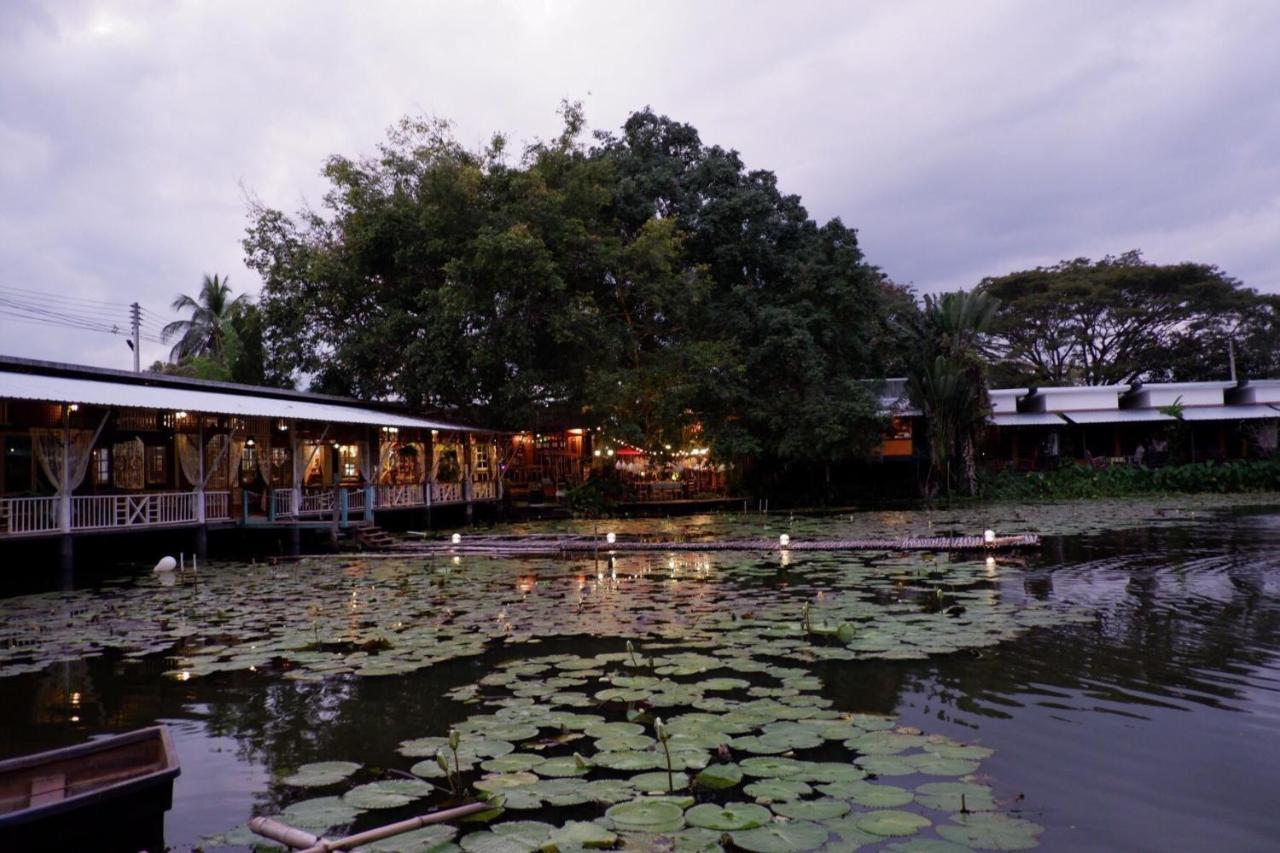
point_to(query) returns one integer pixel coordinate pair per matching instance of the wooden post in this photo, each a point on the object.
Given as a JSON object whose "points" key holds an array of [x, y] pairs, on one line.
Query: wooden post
{"points": [[200, 507], [428, 472], [373, 451], [295, 451], [467, 490]]}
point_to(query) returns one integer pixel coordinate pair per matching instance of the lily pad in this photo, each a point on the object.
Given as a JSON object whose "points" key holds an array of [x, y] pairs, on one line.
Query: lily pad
{"points": [[388, 794], [436, 838], [728, 817], [892, 822], [576, 835], [657, 781], [873, 795], [951, 796], [647, 815], [320, 814], [777, 789], [718, 776], [816, 810], [989, 831], [320, 773], [790, 837]]}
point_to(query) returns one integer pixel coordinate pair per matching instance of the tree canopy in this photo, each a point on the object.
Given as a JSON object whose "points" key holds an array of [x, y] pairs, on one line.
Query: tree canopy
{"points": [[641, 281], [1122, 319]]}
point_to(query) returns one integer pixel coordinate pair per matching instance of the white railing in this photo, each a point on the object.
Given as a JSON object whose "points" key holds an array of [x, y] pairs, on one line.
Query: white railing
{"points": [[484, 490], [404, 495], [217, 506], [29, 515], [282, 503], [446, 493], [316, 502], [356, 499], [99, 512]]}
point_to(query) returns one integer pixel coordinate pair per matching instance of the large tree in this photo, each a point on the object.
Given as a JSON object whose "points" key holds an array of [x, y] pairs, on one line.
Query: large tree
{"points": [[1116, 320], [643, 281]]}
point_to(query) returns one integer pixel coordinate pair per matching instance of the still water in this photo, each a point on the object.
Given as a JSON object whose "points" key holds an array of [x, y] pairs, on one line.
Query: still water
{"points": [[1149, 720]]}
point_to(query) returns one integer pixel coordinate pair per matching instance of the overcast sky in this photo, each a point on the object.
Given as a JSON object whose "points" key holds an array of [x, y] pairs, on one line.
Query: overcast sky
{"points": [[960, 139]]}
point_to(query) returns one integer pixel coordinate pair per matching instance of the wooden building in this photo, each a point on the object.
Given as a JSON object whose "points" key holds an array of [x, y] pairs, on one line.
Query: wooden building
{"points": [[88, 450]]}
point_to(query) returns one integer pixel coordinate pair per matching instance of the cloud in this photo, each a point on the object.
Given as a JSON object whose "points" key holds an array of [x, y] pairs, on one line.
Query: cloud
{"points": [[962, 140]]}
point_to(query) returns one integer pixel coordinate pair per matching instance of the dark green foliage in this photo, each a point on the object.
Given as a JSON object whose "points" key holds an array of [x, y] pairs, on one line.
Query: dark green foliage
{"points": [[646, 283], [1078, 481], [1122, 319]]}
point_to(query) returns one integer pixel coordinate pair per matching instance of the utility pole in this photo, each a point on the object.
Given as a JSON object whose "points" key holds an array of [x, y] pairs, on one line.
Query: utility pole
{"points": [[135, 316]]}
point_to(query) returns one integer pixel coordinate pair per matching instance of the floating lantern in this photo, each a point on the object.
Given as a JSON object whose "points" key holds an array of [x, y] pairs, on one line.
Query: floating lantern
{"points": [[456, 539], [784, 540], [989, 536]]}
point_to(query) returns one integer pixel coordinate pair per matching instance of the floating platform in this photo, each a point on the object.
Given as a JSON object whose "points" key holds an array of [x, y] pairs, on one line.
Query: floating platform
{"points": [[533, 545]]}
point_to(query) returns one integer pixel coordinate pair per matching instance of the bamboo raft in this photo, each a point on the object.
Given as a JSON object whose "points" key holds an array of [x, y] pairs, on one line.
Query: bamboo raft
{"points": [[534, 545]]}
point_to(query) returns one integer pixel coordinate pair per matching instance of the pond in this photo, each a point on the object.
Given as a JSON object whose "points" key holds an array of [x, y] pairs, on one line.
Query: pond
{"points": [[1114, 689]]}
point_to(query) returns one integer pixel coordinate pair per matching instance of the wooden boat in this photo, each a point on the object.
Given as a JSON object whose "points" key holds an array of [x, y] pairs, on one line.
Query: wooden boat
{"points": [[113, 792]]}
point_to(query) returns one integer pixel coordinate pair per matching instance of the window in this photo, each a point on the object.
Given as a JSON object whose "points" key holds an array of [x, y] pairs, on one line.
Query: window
{"points": [[482, 459], [101, 463], [350, 458], [281, 475], [248, 461], [156, 473]]}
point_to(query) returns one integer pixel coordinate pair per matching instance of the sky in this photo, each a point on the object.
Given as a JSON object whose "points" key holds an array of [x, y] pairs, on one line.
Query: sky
{"points": [[961, 139]]}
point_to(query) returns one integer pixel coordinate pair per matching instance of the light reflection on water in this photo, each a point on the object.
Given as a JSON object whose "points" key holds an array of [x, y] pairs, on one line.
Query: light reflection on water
{"points": [[1155, 728]]}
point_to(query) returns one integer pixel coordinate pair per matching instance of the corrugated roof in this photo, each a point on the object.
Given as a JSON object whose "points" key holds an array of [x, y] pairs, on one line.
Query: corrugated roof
{"points": [[1228, 413], [96, 392], [1116, 416], [1026, 419]]}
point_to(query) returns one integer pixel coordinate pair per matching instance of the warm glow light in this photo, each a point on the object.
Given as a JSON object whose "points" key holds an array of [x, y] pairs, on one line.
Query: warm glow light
{"points": [[180, 415], [74, 407], [610, 451], [596, 452], [75, 698], [989, 536], [184, 676], [611, 537], [784, 540], [456, 538]]}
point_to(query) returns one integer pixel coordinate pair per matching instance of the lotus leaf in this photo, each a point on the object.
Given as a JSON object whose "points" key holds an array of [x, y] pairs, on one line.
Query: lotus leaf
{"points": [[873, 795], [436, 838], [728, 817], [946, 796], [320, 773], [892, 822], [782, 837], [388, 794], [818, 810], [577, 835], [657, 782], [320, 814], [769, 767], [769, 790], [717, 776], [990, 831], [647, 815]]}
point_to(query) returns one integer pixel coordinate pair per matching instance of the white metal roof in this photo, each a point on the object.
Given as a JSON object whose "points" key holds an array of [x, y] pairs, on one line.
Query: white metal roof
{"points": [[1025, 419], [62, 389], [1117, 416], [1228, 413]]}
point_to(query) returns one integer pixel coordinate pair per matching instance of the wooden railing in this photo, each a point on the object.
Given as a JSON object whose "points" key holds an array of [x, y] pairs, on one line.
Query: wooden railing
{"points": [[29, 515], [446, 493], [398, 496], [484, 490], [101, 512], [355, 499], [217, 506], [316, 501], [281, 503]]}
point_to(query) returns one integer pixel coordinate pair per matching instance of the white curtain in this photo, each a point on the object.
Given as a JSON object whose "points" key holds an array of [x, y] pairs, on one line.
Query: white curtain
{"points": [[387, 454], [189, 457], [366, 462], [262, 444], [126, 465], [47, 444]]}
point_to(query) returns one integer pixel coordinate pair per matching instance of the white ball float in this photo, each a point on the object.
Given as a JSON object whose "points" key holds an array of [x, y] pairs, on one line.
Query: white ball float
{"points": [[611, 537], [989, 536], [456, 539], [166, 564], [784, 540]]}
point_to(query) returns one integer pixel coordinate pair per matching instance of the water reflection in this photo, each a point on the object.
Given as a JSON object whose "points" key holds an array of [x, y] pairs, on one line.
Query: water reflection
{"points": [[1152, 727]]}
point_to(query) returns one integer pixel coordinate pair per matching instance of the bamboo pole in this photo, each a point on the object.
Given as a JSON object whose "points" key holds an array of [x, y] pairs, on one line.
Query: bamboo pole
{"points": [[308, 843]]}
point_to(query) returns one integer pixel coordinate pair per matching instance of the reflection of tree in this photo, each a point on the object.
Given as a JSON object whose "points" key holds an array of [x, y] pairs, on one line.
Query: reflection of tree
{"points": [[1193, 618]]}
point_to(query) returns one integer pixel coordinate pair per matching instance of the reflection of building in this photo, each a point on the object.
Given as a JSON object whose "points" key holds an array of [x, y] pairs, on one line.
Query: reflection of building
{"points": [[89, 450]]}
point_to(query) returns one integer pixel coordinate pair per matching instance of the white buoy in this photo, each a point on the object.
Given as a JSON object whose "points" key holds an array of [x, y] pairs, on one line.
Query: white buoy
{"points": [[166, 564], [456, 539], [989, 536], [784, 540], [611, 537]]}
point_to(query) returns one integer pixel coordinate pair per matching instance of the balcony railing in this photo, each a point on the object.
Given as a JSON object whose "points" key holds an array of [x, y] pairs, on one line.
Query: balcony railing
{"points": [[102, 512], [20, 516], [443, 493], [391, 497], [217, 506], [316, 501], [356, 499], [281, 503], [484, 490]]}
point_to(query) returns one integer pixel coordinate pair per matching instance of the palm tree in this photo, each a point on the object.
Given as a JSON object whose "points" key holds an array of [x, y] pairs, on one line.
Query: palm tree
{"points": [[947, 378], [212, 313]]}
